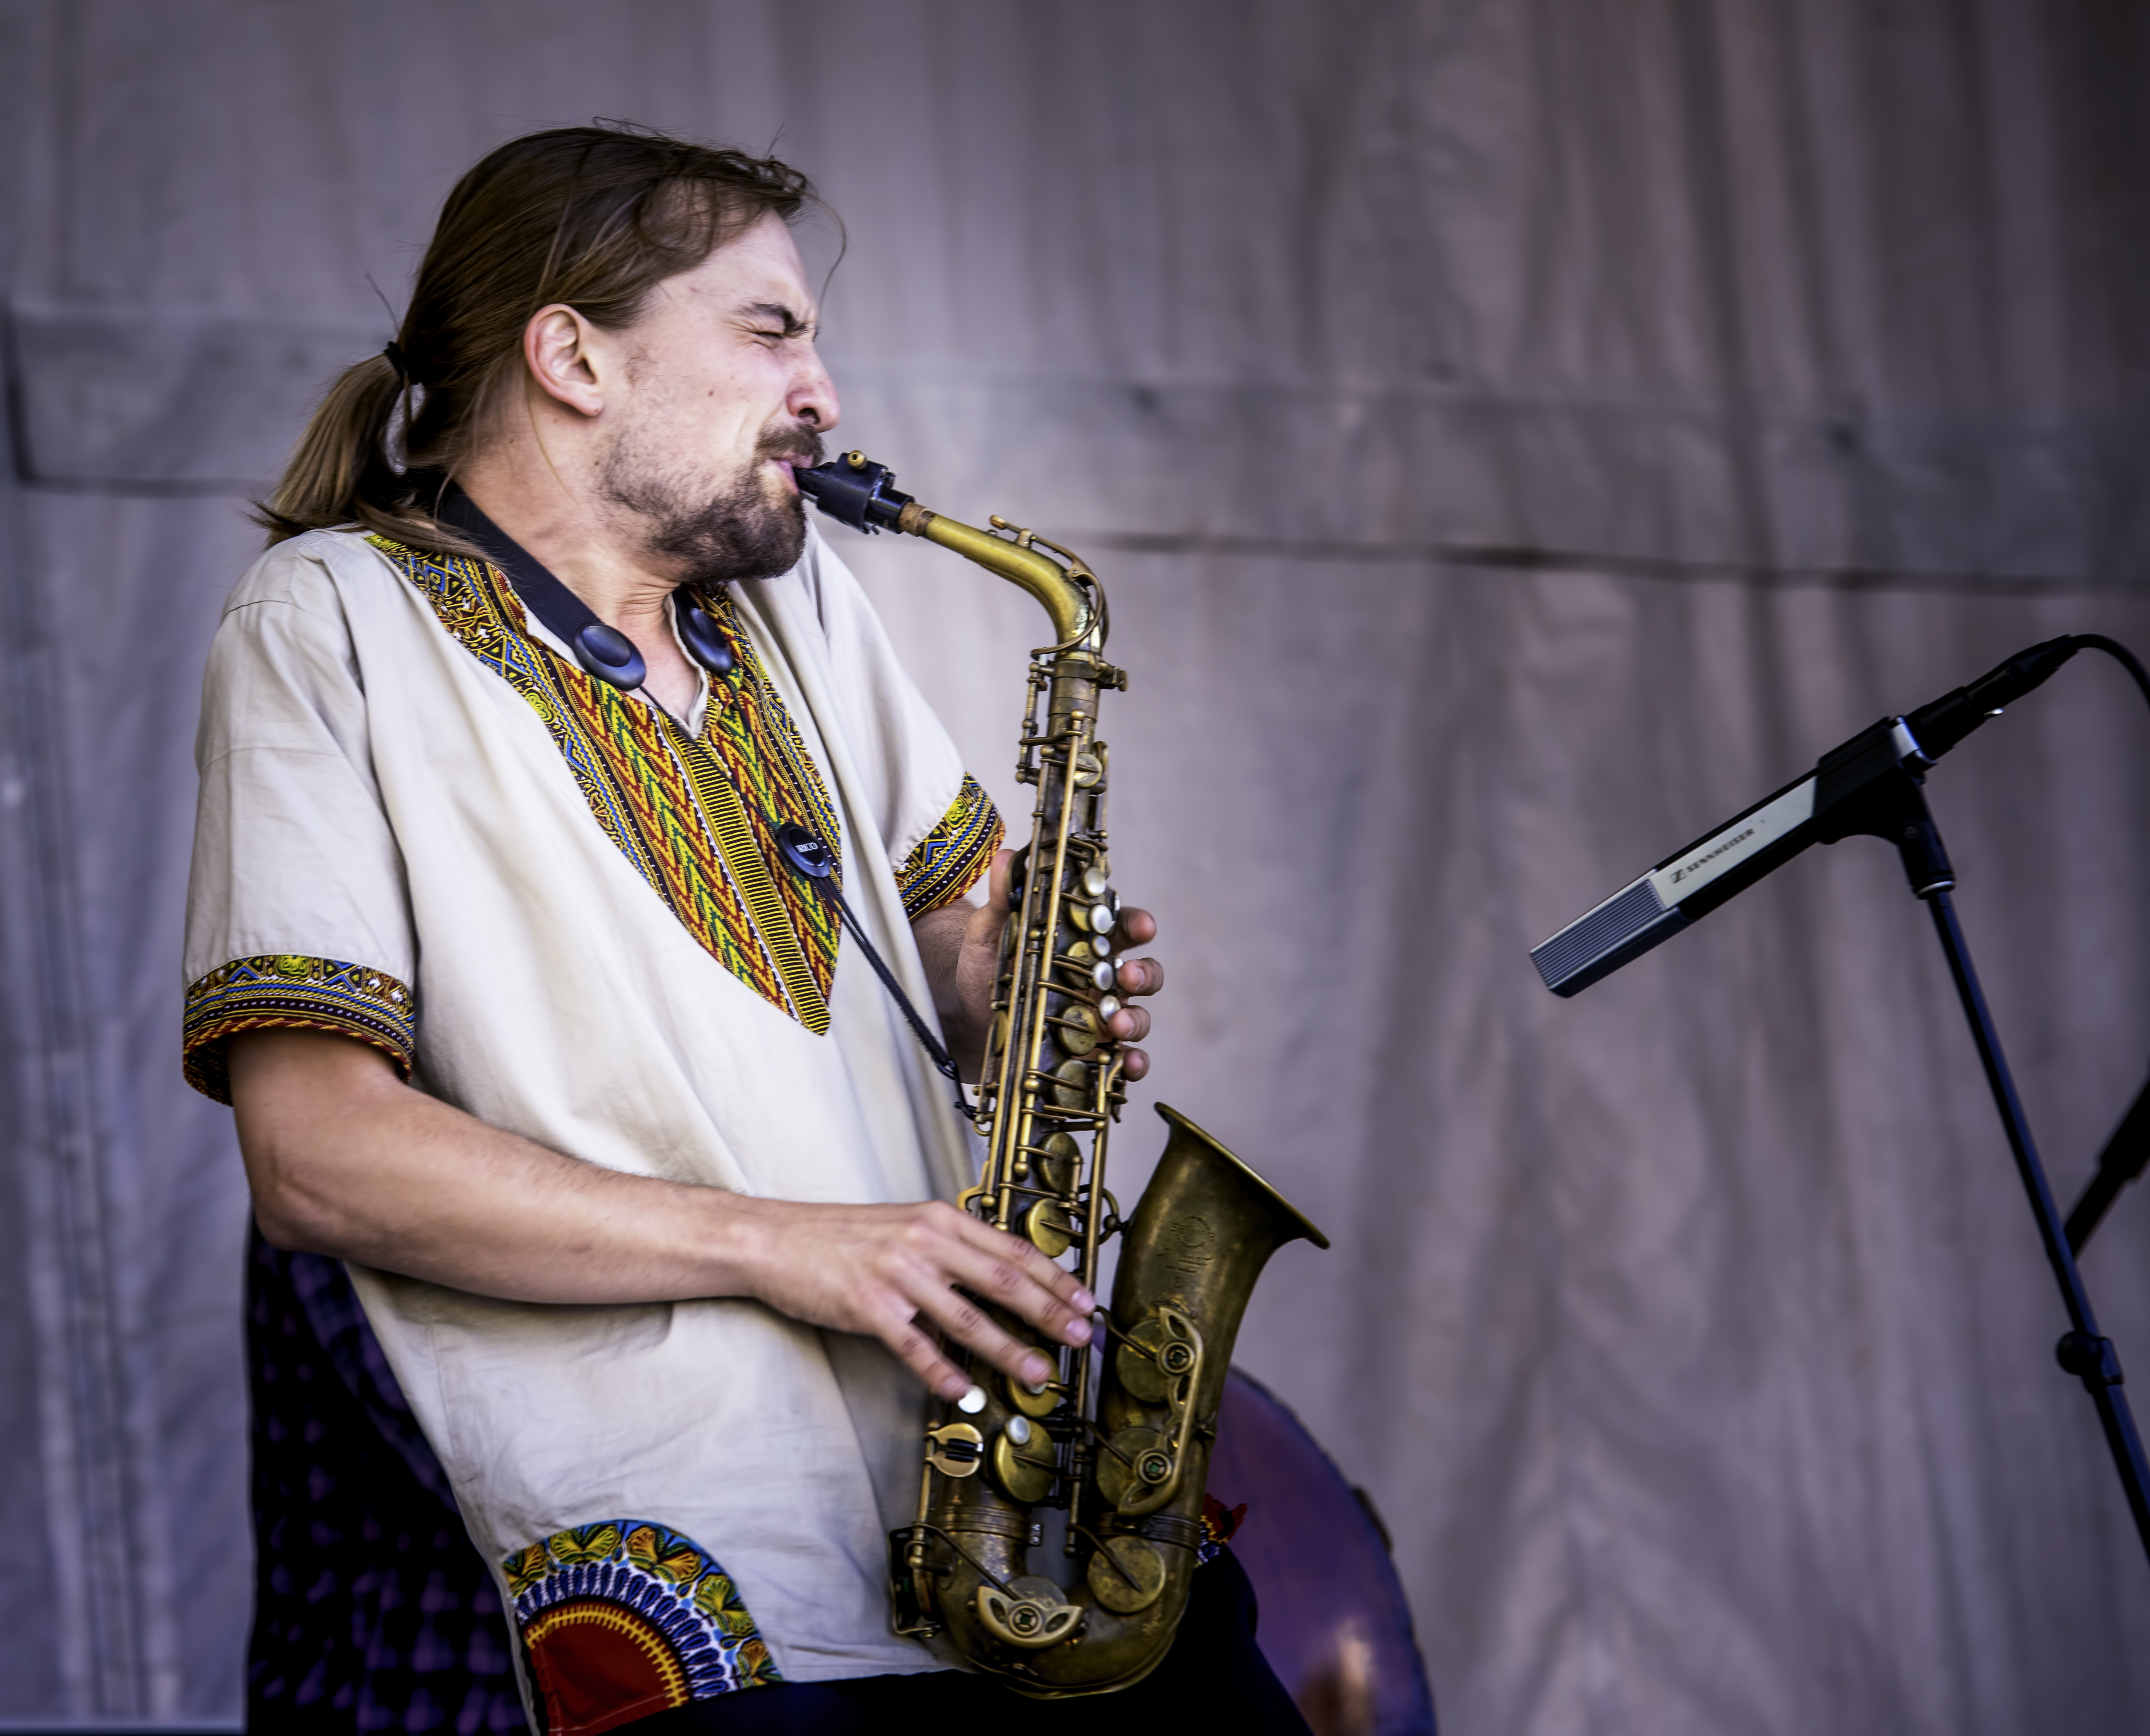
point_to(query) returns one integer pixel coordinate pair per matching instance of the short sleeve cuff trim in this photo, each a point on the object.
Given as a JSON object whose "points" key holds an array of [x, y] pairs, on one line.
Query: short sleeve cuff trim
{"points": [[287, 991], [954, 856]]}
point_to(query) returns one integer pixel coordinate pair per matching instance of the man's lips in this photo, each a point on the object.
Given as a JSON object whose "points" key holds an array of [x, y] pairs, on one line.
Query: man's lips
{"points": [[791, 462]]}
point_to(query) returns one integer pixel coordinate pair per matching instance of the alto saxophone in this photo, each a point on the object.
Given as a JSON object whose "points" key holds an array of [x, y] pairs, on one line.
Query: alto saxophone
{"points": [[1118, 1441]]}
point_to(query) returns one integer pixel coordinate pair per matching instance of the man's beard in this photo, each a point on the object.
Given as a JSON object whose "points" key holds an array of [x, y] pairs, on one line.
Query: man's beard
{"points": [[741, 531]]}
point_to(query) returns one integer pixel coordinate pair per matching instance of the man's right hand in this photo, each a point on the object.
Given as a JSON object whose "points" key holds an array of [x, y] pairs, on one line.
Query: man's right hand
{"points": [[347, 1160], [898, 1272]]}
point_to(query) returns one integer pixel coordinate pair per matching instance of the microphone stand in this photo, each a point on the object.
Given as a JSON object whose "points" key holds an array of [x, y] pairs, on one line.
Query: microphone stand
{"points": [[1893, 807], [2125, 1156]]}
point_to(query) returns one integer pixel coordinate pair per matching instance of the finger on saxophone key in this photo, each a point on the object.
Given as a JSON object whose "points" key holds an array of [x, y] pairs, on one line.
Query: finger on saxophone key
{"points": [[1138, 976]]}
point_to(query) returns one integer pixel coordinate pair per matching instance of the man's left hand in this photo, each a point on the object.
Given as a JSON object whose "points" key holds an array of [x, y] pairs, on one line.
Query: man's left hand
{"points": [[961, 945]]}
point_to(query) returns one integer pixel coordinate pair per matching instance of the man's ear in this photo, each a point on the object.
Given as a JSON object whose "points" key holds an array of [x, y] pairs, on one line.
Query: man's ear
{"points": [[559, 348]]}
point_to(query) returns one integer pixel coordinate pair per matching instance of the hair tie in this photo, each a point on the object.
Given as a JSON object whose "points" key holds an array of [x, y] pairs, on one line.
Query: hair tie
{"points": [[397, 360]]}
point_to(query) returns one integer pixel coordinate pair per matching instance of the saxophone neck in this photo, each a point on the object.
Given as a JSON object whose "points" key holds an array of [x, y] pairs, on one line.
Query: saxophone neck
{"points": [[855, 491], [1069, 592]]}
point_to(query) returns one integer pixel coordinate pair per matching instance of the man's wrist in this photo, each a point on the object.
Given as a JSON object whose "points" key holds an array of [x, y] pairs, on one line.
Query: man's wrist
{"points": [[729, 1242]]}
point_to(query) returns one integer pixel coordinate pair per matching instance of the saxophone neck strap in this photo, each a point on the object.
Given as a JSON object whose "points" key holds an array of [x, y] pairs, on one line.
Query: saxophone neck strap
{"points": [[813, 862], [602, 651]]}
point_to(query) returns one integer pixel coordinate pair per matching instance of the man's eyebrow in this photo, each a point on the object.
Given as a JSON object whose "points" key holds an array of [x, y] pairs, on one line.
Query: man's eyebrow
{"points": [[787, 317]]}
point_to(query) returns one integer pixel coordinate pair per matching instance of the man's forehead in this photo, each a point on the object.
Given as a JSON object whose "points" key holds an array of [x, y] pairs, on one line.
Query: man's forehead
{"points": [[757, 273]]}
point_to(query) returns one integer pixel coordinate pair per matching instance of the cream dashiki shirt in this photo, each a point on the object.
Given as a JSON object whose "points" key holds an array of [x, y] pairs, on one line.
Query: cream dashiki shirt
{"points": [[423, 826]]}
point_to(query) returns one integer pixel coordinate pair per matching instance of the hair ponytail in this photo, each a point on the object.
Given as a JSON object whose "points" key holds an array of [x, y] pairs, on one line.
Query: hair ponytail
{"points": [[343, 471], [593, 217]]}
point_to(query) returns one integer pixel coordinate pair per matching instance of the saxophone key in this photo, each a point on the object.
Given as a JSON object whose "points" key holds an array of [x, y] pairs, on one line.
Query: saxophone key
{"points": [[1080, 1028], [1151, 1360], [1126, 1574], [1024, 1464], [955, 1448], [1054, 1163], [1135, 1462], [1071, 1086], [1034, 1402], [1034, 1617], [1049, 1228]]}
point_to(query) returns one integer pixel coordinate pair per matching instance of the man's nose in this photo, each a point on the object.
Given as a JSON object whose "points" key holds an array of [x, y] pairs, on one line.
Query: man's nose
{"points": [[812, 397]]}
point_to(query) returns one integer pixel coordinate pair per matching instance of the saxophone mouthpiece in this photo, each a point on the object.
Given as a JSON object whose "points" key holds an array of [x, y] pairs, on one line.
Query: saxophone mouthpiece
{"points": [[854, 490]]}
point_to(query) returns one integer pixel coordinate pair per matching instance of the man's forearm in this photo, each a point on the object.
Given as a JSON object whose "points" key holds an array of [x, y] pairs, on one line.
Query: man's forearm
{"points": [[346, 1159], [940, 936]]}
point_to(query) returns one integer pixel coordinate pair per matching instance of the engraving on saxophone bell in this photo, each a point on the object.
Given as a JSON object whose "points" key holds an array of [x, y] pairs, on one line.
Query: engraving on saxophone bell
{"points": [[1116, 1439], [1191, 1244]]}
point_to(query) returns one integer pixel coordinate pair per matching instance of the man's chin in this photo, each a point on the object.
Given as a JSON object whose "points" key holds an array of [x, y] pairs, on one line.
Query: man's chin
{"points": [[731, 549], [778, 560]]}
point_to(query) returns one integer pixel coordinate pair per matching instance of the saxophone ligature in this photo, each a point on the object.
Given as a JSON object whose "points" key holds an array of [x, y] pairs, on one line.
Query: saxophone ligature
{"points": [[1112, 1453]]}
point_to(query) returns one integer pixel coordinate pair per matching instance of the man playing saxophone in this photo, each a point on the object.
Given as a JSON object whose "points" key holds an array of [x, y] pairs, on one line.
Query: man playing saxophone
{"points": [[496, 945]]}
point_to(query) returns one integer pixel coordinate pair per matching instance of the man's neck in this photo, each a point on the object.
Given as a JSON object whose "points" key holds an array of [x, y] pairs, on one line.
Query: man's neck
{"points": [[590, 550]]}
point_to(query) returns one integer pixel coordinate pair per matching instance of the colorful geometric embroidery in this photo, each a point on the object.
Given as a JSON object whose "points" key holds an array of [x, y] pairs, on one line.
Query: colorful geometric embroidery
{"points": [[747, 734], [1219, 1525], [625, 1619], [287, 991], [950, 859], [672, 804]]}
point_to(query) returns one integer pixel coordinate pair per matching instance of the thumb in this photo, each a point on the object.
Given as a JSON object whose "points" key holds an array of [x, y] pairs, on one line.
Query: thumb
{"points": [[998, 902]]}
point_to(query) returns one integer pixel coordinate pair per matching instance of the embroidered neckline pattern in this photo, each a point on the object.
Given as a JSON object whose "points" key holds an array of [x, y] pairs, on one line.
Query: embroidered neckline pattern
{"points": [[288, 991], [694, 815], [626, 1618], [950, 859]]}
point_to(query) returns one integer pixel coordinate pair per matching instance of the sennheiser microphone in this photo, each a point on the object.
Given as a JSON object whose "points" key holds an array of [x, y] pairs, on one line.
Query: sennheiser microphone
{"points": [[1831, 802]]}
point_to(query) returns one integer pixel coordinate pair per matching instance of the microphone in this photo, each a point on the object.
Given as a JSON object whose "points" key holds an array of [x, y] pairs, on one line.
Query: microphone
{"points": [[1834, 800]]}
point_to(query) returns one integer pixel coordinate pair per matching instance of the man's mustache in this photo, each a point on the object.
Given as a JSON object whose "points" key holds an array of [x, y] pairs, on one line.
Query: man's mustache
{"points": [[803, 445]]}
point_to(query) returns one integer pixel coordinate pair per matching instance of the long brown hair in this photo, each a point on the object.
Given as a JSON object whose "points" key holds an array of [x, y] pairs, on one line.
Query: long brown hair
{"points": [[592, 217]]}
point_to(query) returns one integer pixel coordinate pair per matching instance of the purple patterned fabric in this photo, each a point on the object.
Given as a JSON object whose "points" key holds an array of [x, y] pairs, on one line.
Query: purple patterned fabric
{"points": [[372, 1610]]}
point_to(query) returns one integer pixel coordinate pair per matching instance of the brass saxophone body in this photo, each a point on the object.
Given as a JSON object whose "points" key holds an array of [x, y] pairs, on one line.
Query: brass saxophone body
{"points": [[1118, 1440]]}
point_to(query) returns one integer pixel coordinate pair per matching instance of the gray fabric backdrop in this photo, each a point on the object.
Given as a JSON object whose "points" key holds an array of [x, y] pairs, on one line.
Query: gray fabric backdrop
{"points": [[1517, 433]]}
